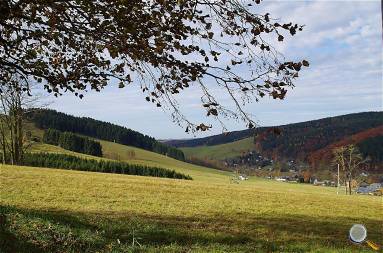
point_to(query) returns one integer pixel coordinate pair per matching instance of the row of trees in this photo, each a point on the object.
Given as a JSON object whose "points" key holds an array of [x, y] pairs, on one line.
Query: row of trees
{"points": [[61, 161], [101, 130], [73, 142]]}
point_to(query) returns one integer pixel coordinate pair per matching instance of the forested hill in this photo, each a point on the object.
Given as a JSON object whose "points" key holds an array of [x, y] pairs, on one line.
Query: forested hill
{"points": [[51, 119], [328, 129], [298, 141]]}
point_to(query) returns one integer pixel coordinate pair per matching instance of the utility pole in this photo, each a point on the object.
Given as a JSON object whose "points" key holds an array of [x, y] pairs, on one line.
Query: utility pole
{"points": [[337, 187]]}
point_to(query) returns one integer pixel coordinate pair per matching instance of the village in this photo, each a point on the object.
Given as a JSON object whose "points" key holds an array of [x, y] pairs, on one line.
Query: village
{"points": [[252, 163]]}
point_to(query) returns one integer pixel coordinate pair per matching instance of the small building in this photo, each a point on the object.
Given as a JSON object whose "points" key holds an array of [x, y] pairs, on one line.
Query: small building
{"points": [[319, 183], [363, 184], [371, 189]]}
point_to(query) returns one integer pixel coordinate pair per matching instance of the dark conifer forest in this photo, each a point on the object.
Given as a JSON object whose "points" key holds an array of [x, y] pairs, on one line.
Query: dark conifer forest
{"points": [[51, 119], [299, 140], [372, 148], [73, 142], [294, 135], [62, 161]]}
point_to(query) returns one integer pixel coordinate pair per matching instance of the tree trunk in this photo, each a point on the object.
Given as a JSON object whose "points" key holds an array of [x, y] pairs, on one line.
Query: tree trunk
{"points": [[345, 183], [19, 136], [16, 115], [3, 147]]}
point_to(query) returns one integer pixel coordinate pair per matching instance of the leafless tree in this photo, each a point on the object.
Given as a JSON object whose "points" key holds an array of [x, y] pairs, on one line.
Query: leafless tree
{"points": [[14, 103], [349, 159]]}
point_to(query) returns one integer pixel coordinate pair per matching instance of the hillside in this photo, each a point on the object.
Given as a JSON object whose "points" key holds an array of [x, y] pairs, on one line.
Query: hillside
{"points": [[213, 140], [370, 143], [221, 151], [51, 119], [133, 155], [299, 141]]}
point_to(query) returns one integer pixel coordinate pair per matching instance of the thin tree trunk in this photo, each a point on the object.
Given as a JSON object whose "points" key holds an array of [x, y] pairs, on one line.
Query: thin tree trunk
{"points": [[3, 146], [19, 128], [345, 183]]}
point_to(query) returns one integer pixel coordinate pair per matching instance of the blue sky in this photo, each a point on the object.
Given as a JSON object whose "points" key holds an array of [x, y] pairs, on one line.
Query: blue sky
{"points": [[342, 40]]}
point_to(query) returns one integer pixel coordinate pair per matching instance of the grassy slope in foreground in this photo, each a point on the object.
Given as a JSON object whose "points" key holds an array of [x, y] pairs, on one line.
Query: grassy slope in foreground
{"points": [[56, 210], [222, 151]]}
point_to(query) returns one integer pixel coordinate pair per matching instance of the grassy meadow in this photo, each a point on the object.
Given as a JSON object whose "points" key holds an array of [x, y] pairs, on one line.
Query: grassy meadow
{"points": [[49, 210], [222, 151], [115, 151]]}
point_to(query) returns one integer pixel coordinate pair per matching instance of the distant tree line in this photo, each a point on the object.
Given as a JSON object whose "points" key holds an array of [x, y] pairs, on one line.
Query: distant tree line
{"points": [[101, 130], [335, 127], [73, 142], [62, 161]]}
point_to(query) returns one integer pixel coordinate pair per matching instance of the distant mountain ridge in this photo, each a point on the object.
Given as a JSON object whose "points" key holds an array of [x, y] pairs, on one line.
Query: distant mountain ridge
{"points": [[241, 134], [212, 140], [310, 141], [299, 141]]}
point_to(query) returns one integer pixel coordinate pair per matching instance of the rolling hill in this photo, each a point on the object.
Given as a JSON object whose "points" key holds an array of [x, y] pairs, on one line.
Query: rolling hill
{"points": [[51, 119], [299, 141], [132, 155]]}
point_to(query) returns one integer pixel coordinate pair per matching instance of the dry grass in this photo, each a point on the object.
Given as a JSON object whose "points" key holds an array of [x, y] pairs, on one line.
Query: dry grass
{"points": [[177, 215]]}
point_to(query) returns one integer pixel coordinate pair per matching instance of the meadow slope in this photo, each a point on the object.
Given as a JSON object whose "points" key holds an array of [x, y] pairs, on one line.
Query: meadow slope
{"points": [[49, 210], [115, 151], [221, 151]]}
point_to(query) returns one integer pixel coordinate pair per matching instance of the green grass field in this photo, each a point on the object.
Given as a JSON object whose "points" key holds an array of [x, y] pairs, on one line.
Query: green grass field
{"points": [[222, 151], [48, 210]]}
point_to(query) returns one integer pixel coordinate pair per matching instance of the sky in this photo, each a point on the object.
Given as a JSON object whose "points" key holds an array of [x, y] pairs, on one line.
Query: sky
{"points": [[342, 41]]}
